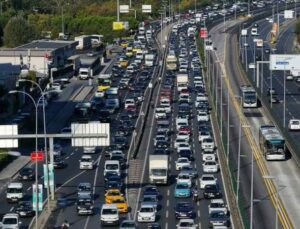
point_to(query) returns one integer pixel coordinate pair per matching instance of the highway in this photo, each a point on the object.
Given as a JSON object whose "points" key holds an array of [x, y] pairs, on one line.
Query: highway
{"points": [[285, 172]]}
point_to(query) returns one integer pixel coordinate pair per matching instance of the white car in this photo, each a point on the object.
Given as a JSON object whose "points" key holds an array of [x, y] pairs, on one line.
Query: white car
{"points": [[202, 116], [209, 156], [208, 144], [109, 215], [182, 135], [184, 178], [147, 213], [203, 135], [160, 113], [210, 167], [186, 224], [10, 220], [129, 102], [182, 161], [217, 205], [178, 142], [86, 162], [89, 149], [294, 124], [207, 179]]}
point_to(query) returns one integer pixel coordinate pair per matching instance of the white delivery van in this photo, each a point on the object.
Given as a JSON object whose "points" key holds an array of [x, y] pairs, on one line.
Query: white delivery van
{"points": [[112, 166], [14, 192], [10, 220]]}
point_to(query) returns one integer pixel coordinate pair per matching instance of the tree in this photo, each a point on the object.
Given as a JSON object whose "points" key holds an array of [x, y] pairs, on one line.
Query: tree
{"points": [[18, 31]]}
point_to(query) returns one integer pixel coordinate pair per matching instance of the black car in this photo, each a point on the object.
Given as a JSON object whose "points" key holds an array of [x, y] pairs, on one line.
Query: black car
{"points": [[186, 153], [84, 205], [153, 226], [151, 190], [184, 210], [24, 209], [121, 142], [162, 144], [26, 174], [160, 151], [119, 158], [274, 99], [122, 131], [58, 162], [115, 183], [111, 175], [212, 192], [218, 218], [104, 116], [109, 149]]}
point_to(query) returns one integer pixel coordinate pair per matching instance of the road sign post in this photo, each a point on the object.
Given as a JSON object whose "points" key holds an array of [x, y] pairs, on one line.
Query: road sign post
{"points": [[37, 197]]}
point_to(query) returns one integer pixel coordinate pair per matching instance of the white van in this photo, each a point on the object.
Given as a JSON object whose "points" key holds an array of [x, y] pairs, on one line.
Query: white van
{"points": [[14, 192], [109, 215], [254, 31], [84, 73], [10, 220], [112, 166]]}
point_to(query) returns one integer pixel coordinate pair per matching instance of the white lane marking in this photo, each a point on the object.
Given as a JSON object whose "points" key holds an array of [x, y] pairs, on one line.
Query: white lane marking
{"points": [[94, 185], [67, 157], [168, 203], [29, 188], [11, 209], [198, 212], [167, 213], [168, 193], [166, 225]]}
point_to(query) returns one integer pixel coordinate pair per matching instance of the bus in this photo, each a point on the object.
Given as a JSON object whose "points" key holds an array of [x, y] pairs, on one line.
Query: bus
{"points": [[171, 61], [271, 143], [249, 97]]}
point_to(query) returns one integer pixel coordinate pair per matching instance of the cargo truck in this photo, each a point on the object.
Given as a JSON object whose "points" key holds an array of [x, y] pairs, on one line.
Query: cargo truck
{"points": [[84, 42], [182, 82], [158, 169]]}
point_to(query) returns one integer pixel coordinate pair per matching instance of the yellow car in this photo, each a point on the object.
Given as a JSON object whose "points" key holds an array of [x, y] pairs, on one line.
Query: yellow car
{"points": [[121, 203], [104, 84], [112, 194], [136, 49], [129, 52], [123, 63], [124, 44]]}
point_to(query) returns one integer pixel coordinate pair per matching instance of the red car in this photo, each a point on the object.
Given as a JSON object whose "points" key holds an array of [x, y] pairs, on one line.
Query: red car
{"points": [[185, 129], [131, 108]]}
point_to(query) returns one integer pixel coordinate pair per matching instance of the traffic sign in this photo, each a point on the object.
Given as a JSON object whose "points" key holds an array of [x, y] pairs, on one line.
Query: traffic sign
{"points": [[37, 156], [203, 33]]}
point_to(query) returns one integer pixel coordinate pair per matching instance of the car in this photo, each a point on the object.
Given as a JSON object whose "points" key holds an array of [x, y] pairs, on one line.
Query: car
{"points": [[210, 167], [84, 188], [274, 99], [150, 199], [184, 210], [153, 226], [58, 162], [121, 203], [218, 218], [182, 190], [112, 194], [147, 213], [85, 204], [208, 144], [188, 153], [209, 156], [151, 190], [24, 209], [86, 162], [217, 205], [57, 150], [294, 124], [190, 170], [289, 78], [177, 142], [162, 144], [202, 116], [89, 149], [186, 224], [271, 91], [203, 135], [114, 184], [128, 224], [182, 161], [109, 215], [26, 174], [183, 136], [11, 220], [207, 179], [184, 177], [212, 191]]}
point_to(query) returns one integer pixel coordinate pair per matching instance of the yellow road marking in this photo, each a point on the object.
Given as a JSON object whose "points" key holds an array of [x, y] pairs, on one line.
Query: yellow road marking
{"points": [[282, 215]]}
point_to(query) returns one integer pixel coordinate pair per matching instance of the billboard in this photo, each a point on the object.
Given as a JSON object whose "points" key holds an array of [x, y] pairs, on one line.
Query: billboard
{"points": [[289, 14], [95, 128], [203, 33], [146, 8], [119, 25], [9, 130], [284, 62], [124, 8]]}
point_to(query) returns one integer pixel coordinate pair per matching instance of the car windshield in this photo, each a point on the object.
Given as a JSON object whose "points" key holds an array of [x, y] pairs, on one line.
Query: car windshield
{"points": [[109, 211], [146, 209], [149, 199], [182, 186], [112, 167], [219, 214], [207, 178], [158, 172], [14, 190], [186, 224]]}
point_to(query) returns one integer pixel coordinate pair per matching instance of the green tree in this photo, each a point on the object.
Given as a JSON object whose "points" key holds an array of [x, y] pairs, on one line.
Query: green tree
{"points": [[18, 31]]}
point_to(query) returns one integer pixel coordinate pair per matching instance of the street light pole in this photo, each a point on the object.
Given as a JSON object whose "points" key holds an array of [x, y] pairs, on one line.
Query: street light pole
{"points": [[36, 149], [118, 10]]}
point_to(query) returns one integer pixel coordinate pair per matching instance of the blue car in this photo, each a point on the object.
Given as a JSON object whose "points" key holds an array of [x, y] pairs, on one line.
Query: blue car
{"points": [[182, 190]]}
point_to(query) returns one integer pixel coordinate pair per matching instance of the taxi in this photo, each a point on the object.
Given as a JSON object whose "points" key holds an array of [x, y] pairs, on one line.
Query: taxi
{"points": [[104, 84], [124, 44], [129, 51], [112, 194], [121, 203], [123, 62]]}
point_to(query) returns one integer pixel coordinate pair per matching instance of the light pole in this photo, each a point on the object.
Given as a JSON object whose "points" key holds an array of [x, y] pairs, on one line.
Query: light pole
{"points": [[45, 131], [118, 10], [36, 149], [277, 197]]}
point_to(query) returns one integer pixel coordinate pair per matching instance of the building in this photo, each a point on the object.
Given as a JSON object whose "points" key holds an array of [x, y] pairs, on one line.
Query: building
{"points": [[40, 55]]}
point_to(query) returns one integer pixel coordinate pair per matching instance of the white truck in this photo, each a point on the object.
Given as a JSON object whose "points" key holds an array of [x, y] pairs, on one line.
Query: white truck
{"points": [[149, 59], [84, 42], [182, 82], [158, 169]]}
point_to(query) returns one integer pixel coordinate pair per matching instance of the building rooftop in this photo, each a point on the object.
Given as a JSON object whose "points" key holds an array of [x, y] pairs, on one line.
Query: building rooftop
{"points": [[45, 44]]}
